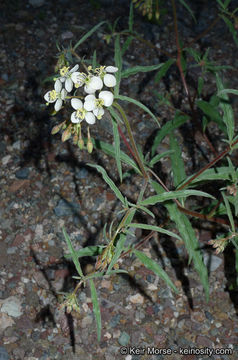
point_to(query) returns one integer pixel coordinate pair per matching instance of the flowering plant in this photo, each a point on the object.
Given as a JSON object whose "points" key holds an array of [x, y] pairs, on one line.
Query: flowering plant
{"points": [[93, 92]]}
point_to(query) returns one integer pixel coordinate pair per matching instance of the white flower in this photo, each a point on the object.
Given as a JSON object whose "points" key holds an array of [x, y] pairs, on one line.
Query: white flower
{"points": [[95, 82], [109, 79], [93, 104], [66, 75], [81, 113], [57, 95], [107, 97]]}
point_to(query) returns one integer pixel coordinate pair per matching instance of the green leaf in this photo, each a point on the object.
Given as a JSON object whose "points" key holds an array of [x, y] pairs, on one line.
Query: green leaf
{"points": [[131, 15], [200, 85], [88, 34], [158, 157], [87, 251], [229, 212], [228, 91], [134, 70], [187, 7], [226, 107], [139, 104], [155, 228], [192, 245], [176, 161], [94, 62], [220, 173], [126, 45], [117, 147], [109, 182], [212, 113], [231, 28], [177, 121], [109, 150], [96, 308], [165, 67], [120, 243], [118, 64], [153, 266], [73, 253], [152, 200]]}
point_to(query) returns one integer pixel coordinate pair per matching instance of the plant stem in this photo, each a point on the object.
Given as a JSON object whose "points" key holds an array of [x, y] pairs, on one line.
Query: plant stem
{"points": [[131, 137]]}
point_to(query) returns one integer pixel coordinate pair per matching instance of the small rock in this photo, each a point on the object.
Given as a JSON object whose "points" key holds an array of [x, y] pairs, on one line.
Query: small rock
{"points": [[212, 261], [136, 299], [6, 159], [81, 173], [124, 339], [3, 354], [87, 320], [36, 3], [22, 173], [115, 320], [5, 322], [11, 306], [65, 208], [67, 35]]}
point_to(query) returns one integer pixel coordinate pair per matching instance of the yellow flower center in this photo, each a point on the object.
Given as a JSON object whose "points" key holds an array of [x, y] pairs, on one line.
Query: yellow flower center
{"points": [[52, 95], [64, 70], [99, 103], [80, 113]]}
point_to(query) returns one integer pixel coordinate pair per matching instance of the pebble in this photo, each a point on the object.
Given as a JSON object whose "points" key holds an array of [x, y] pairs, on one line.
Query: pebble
{"points": [[65, 208], [136, 299], [212, 261], [11, 306], [5, 322], [124, 339], [3, 354], [36, 3], [6, 159], [22, 173]]}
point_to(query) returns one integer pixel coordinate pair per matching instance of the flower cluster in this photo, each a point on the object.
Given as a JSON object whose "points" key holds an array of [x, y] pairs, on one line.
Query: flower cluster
{"points": [[89, 106]]}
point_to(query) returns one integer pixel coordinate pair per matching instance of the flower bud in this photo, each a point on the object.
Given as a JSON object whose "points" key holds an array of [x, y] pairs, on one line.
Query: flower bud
{"points": [[89, 146]]}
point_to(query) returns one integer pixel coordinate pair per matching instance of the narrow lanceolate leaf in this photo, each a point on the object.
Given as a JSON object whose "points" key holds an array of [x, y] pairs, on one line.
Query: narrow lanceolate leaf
{"points": [[170, 195], [158, 157], [164, 68], [88, 34], [139, 104], [176, 161], [120, 243], [73, 253], [192, 245], [131, 18], [228, 116], [155, 228], [212, 113], [136, 69], [231, 29], [167, 128], [229, 212], [153, 266], [118, 63], [220, 173], [126, 45], [96, 308], [109, 182], [109, 150], [117, 147], [187, 7], [87, 251]]}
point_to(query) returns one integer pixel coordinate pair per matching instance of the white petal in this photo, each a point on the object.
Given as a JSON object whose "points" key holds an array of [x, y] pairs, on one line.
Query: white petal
{"points": [[68, 84], [78, 78], [107, 96], [63, 94], [89, 90], [90, 118], [111, 69], [96, 83], [75, 68], [47, 97], [74, 118], [58, 86], [76, 104], [89, 105], [109, 80], [98, 112], [58, 104]]}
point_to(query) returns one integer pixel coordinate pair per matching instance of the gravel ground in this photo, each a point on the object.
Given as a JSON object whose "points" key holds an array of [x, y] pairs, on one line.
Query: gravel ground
{"points": [[46, 184]]}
